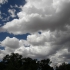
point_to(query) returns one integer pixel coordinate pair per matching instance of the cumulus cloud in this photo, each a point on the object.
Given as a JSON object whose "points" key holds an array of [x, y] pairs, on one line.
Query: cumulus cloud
{"points": [[12, 45], [11, 42], [40, 15], [53, 45], [40, 39]]}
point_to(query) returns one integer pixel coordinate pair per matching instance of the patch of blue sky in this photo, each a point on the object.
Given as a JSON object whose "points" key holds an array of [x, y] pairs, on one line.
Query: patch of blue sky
{"points": [[6, 18], [2, 48], [3, 35], [5, 7]]}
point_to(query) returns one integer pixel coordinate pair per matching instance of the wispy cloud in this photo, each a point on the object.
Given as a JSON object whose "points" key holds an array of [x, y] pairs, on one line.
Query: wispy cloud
{"points": [[3, 1]]}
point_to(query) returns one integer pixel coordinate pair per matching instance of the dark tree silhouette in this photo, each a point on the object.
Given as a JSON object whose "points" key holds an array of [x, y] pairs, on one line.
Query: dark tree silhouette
{"points": [[44, 64], [29, 64], [13, 61], [17, 62], [63, 66]]}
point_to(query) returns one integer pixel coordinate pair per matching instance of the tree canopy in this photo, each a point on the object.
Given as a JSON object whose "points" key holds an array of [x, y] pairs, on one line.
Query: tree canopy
{"points": [[17, 62]]}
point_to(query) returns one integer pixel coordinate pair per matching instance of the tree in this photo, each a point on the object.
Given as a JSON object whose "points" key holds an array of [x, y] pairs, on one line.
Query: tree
{"points": [[44, 64], [29, 64], [12, 62], [17, 62], [63, 66]]}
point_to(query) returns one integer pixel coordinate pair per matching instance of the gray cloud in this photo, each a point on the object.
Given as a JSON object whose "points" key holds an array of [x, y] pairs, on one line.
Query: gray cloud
{"points": [[35, 21], [10, 42]]}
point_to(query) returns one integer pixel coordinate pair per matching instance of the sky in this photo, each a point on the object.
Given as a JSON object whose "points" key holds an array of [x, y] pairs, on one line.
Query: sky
{"points": [[38, 29]]}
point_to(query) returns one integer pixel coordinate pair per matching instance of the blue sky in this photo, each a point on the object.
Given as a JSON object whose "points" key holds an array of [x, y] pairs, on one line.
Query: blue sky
{"points": [[4, 9], [36, 28]]}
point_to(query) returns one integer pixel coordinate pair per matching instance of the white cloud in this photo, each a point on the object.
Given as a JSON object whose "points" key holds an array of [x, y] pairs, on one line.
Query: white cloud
{"points": [[12, 12], [0, 15], [16, 6], [41, 39], [3, 1], [41, 15], [60, 57], [53, 45], [11, 42]]}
